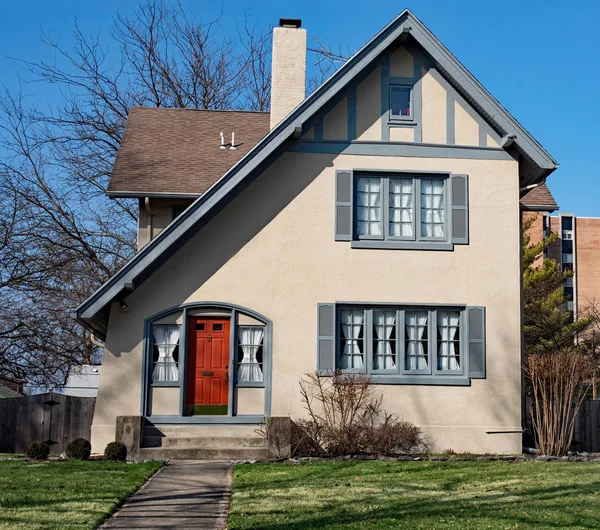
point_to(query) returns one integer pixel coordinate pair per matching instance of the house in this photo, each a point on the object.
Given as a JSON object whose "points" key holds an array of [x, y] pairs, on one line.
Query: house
{"points": [[82, 381], [10, 387], [372, 227]]}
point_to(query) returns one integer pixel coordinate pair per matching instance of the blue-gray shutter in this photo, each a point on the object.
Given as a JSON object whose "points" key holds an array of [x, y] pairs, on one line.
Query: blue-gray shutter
{"points": [[476, 341], [326, 338], [343, 205], [460, 209]]}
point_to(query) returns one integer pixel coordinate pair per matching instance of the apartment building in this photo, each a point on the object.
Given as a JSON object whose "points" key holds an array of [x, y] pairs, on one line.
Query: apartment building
{"points": [[577, 247]]}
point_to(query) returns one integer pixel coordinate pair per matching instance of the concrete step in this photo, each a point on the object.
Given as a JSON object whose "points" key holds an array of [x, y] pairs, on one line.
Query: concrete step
{"points": [[203, 453], [198, 442], [200, 430]]}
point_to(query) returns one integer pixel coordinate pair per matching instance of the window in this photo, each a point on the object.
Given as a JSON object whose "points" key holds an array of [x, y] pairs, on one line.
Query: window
{"points": [[165, 353], [423, 211], [385, 208], [566, 223], [352, 343], [401, 103], [400, 340], [250, 355]]}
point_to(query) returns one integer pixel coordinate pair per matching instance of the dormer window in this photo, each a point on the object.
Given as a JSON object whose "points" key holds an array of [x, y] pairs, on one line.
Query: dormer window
{"points": [[401, 103]]}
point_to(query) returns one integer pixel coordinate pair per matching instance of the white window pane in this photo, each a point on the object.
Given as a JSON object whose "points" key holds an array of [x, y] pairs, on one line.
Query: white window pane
{"points": [[432, 208], [368, 207], [250, 353], [166, 348], [384, 340], [352, 338], [401, 207], [416, 344], [448, 340]]}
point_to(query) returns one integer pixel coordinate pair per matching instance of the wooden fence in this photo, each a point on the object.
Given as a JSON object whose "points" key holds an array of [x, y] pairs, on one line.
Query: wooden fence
{"points": [[44, 417], [586, 436]]}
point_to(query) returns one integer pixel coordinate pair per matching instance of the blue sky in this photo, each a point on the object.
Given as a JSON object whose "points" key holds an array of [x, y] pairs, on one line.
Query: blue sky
{"points": [[538, 58]]}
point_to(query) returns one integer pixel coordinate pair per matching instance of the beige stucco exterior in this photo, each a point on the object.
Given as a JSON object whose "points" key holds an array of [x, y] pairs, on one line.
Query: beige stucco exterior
{"points": [[272, 250], [161, 214]]}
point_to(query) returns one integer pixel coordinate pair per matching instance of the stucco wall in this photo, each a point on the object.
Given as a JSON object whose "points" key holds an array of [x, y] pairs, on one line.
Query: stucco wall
{"points": [[280, 259], [162, 215]]}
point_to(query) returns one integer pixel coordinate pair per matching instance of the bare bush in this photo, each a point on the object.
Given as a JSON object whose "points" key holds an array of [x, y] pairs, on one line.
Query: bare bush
{"points": [[558, 385], [345, 417]]}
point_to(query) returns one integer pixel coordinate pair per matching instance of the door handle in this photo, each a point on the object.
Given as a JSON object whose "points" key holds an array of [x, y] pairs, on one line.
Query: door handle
{"points": [[226, 378]]}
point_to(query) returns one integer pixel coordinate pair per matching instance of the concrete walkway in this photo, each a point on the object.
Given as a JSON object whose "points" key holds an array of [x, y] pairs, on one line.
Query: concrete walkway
{"points": [[183, 494]]}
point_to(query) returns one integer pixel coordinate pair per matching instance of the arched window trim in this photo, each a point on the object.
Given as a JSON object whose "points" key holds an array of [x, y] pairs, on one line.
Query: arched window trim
{"points": [[235, 311]]}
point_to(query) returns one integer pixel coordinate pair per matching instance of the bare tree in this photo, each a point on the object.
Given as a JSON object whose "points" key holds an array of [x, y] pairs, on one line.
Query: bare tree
{"points": [[60, 237]]}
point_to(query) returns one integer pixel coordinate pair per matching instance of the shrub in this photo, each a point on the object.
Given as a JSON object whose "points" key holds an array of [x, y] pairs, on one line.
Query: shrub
{"points": [[38, 450], [115, 451], [345, 417], [79, 449], [558, 383]]}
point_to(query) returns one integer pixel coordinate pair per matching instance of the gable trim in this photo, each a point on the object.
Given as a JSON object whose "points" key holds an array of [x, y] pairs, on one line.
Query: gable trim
{"points": [[155, 253]]}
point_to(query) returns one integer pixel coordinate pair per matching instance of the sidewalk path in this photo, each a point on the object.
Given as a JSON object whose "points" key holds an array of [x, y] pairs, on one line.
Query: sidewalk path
{"points": [[183, 494]]}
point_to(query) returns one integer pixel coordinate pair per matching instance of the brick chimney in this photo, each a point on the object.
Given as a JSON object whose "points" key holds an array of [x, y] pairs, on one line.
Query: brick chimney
{"points": [[288, 70]]}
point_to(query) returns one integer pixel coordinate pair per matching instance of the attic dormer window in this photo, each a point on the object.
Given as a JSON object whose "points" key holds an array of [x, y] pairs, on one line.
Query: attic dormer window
{"points": [[401, 103]]}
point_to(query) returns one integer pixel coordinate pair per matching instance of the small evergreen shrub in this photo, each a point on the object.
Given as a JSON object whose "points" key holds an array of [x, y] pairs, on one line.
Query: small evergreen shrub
{"points": [[38, 450], [115, 451], [79, 449]]}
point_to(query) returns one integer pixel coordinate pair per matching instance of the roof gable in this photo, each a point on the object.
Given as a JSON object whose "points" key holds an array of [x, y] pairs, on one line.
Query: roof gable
{"points": [[539, 199], [536, 162]]}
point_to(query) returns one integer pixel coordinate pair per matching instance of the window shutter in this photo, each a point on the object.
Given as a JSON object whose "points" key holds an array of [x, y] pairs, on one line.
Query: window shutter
{"points": [[326, 338], [343, 205], [476, 341], [460, 209]]}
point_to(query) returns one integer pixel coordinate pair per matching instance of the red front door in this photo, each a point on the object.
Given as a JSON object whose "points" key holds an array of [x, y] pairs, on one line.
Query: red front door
{"points": [[207, 366]]}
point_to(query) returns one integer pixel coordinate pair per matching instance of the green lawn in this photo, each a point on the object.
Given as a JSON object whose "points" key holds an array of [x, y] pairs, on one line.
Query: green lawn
{"points": [[432, 495], [65, 495]]}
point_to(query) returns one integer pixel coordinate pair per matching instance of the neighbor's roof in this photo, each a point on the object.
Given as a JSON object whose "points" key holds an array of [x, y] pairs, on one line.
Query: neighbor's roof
{"points": [[176, 151], [534, 161], [7, 393], [539, 199]]}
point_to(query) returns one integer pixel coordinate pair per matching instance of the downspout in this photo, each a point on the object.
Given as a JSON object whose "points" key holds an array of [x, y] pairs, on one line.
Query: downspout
{"points": [[149, 216]]}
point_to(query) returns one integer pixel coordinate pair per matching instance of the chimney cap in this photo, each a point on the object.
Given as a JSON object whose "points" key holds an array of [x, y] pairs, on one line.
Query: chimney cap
{"points": [[290, 22]]}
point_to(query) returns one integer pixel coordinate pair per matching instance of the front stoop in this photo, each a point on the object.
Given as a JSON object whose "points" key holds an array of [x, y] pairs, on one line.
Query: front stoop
{"points": [[202, 443]]}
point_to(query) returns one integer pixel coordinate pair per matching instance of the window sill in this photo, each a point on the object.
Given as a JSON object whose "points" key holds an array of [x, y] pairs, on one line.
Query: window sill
{"points": [[164, 384], [250, 384], [415, 380], [402, 123], [403, 245]]}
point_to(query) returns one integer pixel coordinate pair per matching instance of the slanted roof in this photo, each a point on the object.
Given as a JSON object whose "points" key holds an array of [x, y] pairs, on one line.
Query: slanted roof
{"points": [[7, 393], [176, 151], [535, 163], [539, 199]]}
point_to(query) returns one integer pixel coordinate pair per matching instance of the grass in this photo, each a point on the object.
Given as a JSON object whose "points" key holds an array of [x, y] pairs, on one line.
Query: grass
{"points": [[429, 495], [65, 495]]}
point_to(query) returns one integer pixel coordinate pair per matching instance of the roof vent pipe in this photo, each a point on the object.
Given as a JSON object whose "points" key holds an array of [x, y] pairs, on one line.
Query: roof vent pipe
{"points": [[232, 146], [222, 141]]}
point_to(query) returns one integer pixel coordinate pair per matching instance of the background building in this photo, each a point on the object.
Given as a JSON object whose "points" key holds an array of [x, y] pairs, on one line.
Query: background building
{"points": [[577, 247]]}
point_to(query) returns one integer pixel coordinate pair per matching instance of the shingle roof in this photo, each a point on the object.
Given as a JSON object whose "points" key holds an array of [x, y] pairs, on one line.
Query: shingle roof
{"points": [[539, 199], [176, 151]]}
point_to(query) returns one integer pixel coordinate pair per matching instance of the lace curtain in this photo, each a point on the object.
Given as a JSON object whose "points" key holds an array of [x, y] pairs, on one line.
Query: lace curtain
{"points": [[352, 325], [250, 340], [383, 323], [416, 338], [166, 339]]}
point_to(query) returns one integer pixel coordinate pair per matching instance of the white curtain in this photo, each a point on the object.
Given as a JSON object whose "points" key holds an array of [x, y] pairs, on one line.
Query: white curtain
{"points": [[432, 208], [401, 207], [416, 332], [352, 323], [250, 339], [449, 354], [383, 322], [166, 339], [368, 209]]}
